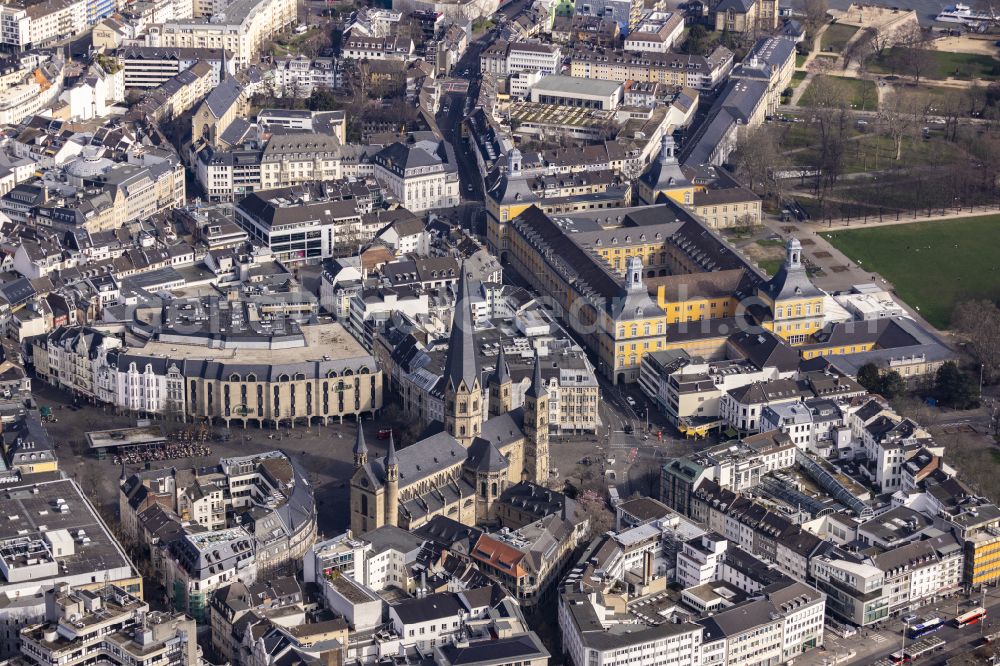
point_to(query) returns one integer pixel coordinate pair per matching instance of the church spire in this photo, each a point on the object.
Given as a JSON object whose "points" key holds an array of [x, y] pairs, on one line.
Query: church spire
{"points": [[360, 448], [391, 484], [391, 460], [224, 70], [537, 388], [461, 364], [501, 375]]}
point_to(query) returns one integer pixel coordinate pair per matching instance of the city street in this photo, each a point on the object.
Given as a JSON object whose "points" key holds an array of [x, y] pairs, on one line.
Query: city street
{"points": [[871, 646]]}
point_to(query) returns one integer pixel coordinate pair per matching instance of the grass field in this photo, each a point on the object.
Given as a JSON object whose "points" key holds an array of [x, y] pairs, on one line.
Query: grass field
{"points": [[946, 64], [932, 265], [771, 266], [859, 93], [800, 60], [836, 37], [865, 151]]}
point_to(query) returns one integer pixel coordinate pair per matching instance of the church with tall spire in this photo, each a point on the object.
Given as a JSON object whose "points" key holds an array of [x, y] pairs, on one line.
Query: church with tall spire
{"points": [[459, 468]]}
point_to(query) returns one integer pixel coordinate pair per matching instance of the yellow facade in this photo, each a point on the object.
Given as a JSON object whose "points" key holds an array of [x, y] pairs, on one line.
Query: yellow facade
{"points": [[38, 468], [558, 201], [795, 320], [696, 308], [985, 562], [835, 350], [636, 338], [683, 194]]}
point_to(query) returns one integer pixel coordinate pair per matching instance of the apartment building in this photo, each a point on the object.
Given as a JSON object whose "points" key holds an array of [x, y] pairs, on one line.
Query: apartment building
{"points": [[302, 224], [389, 47], [197, 564], [30, 91], [656, 32], [689, 389], [976, 522], [854, 588], [921, 572], [672, 69], [38, 24], [700, 558], [626, 13], [513, 556], [298, 75], [35, 556], [147, 67], [589, 639], [241, 30], [734, 466], [786, 622], [506, 58], [283, 161], [109, 622], [15, 27]]}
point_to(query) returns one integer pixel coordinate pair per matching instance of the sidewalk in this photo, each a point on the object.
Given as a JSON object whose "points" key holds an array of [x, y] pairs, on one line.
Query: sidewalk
{"points": [[905, 217]]}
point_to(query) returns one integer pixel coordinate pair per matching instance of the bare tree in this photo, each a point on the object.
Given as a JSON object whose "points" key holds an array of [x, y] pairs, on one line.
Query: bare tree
{"points": [[757, 155], [833, 120], [912, 54], [897, 119], [815, 15], [978, 322], [917, 61], [880, 39], [860, 49]]}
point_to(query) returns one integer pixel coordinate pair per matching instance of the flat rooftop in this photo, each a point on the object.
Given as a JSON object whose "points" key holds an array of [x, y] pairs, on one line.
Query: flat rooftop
{"points": [[322, 340], [571, 85], [32, 510], [99, 439]]}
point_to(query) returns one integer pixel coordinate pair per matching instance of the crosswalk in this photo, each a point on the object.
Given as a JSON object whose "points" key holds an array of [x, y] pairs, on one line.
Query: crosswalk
{"points": [[878, 638]]}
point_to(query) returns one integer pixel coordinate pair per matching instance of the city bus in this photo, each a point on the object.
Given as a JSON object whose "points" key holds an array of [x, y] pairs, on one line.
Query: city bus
{"points": [[973, 616], [899, 657], [925, 627]]}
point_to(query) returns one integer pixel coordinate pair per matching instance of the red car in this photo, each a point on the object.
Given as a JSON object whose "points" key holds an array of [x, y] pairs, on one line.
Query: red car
{"points": [[384, 433]]}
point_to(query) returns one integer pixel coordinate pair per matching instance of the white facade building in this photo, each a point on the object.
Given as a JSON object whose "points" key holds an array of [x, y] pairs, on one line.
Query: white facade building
{"points": [[422, 176]]}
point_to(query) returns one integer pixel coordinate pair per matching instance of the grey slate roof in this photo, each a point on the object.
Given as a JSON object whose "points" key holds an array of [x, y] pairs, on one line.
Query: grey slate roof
{"points": [[501, 374], [461, 365], [359, 444], [537, 388], [485, 457], [223, 96], [792, 281], [422, 459]]}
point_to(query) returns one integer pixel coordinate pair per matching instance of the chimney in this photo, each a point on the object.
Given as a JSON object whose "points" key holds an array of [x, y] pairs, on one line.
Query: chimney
{"points": [[647, 567]]}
